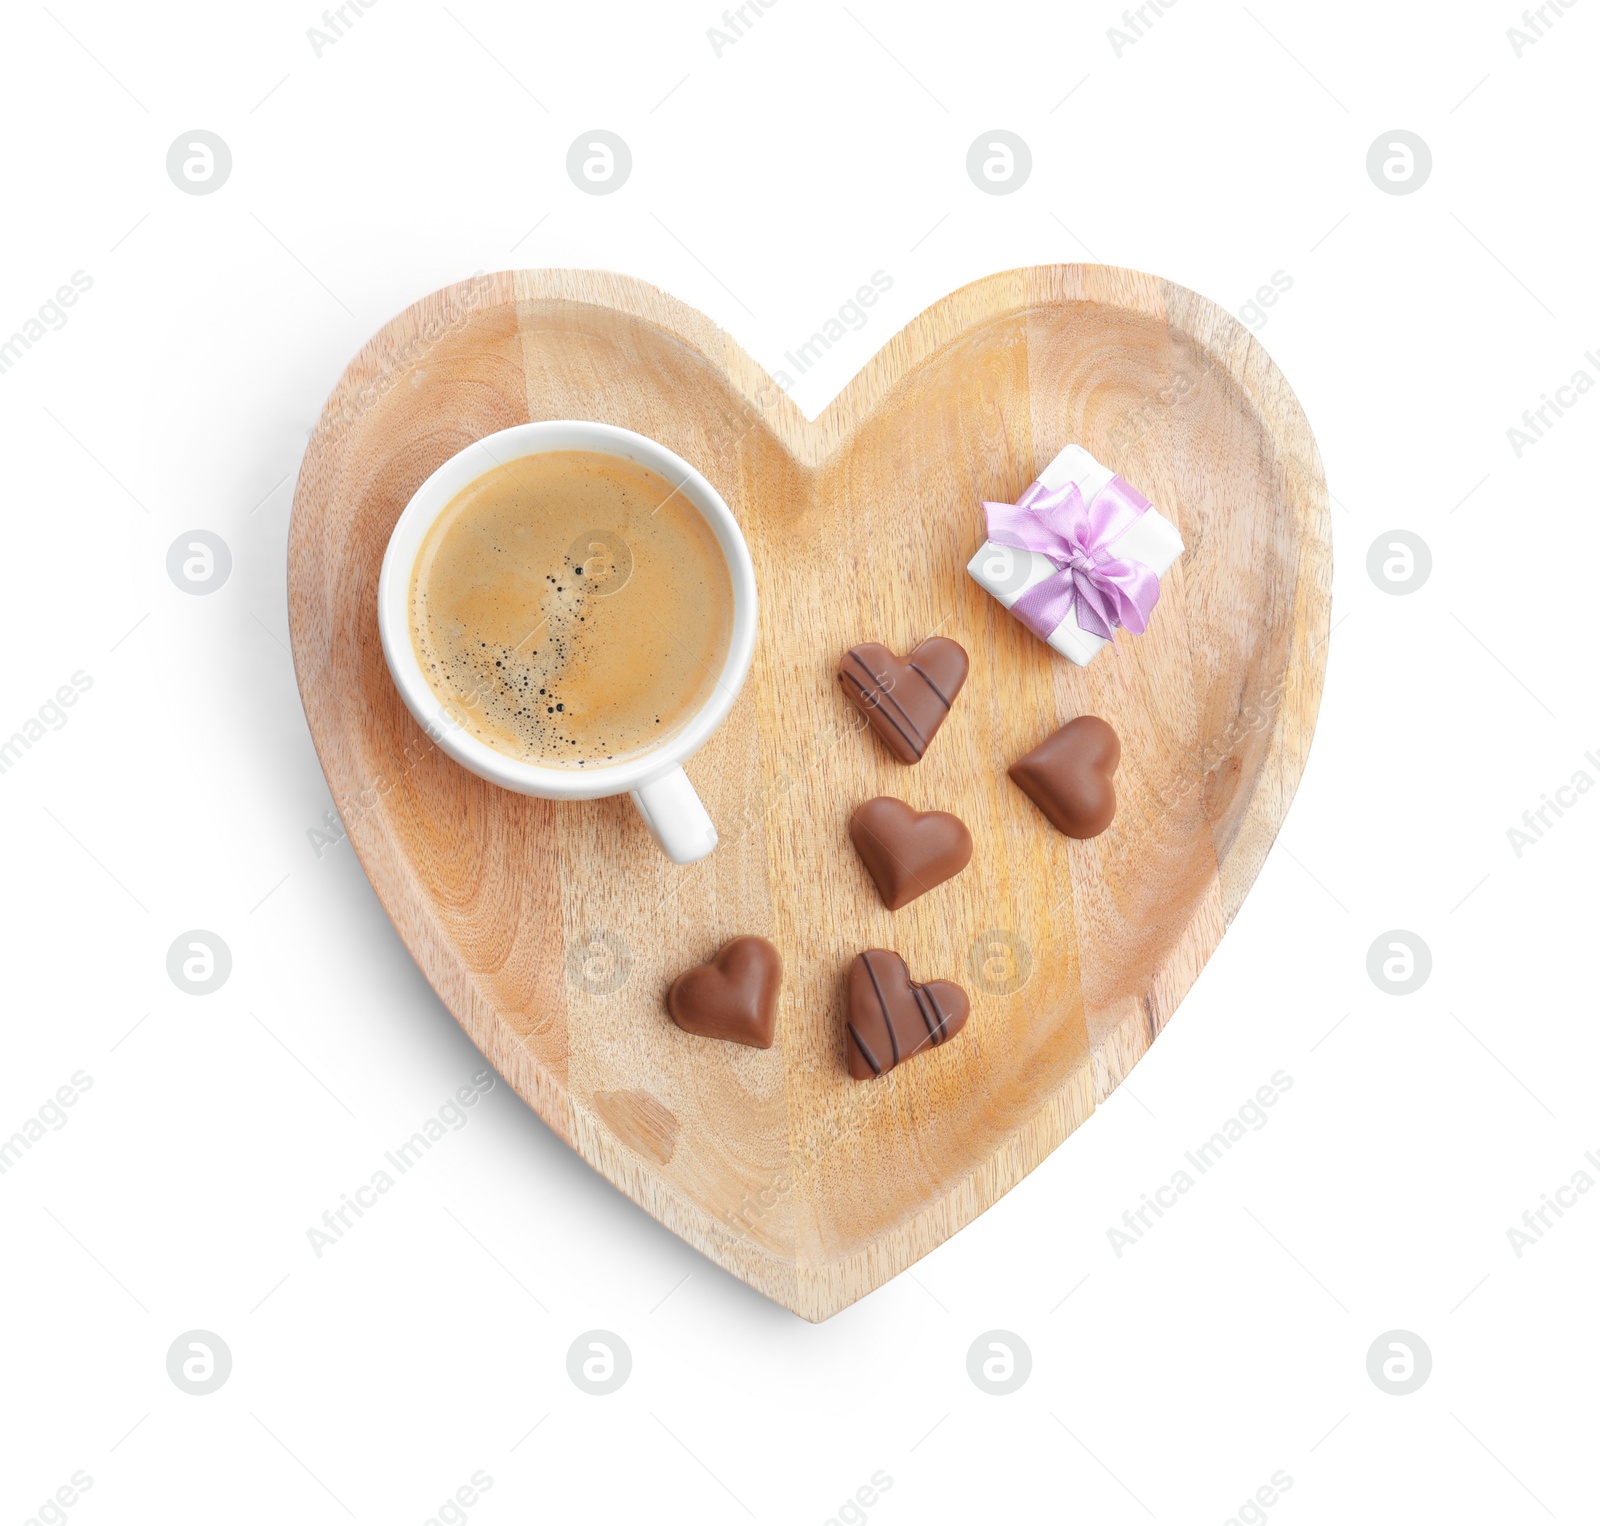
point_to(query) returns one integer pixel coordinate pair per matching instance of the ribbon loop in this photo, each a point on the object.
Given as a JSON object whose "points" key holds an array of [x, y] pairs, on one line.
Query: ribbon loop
{"points": [[1107, 591]]}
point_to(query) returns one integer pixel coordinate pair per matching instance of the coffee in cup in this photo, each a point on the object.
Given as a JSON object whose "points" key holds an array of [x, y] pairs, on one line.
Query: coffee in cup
{"points": [[571, 609]]}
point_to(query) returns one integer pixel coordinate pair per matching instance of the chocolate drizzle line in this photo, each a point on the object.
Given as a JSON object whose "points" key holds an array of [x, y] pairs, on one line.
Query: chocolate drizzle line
{"points": [[866, 1053], [930, 683], [888, 1020], [924, 1001], [918, 743]]}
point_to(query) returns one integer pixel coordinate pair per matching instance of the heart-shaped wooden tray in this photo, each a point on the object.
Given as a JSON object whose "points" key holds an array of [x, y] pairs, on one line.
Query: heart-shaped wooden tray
{"points": [[552, 931]]}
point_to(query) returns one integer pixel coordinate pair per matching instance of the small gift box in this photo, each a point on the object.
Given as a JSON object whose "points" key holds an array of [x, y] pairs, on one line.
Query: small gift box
{"points": [[1079, 554]]}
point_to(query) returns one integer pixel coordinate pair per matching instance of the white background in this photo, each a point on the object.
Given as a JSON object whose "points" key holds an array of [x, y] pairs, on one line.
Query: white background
{"points": [[1230, 1342]]}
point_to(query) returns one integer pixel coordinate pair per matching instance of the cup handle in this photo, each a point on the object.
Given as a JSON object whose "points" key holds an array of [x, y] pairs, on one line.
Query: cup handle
{"points": [[672, 810]]}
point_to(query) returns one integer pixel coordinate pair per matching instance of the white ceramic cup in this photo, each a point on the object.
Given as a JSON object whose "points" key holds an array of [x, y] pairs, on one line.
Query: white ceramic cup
{"points": [[656, 779]]}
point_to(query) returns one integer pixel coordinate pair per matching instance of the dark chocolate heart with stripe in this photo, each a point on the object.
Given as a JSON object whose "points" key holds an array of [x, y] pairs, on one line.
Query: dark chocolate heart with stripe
{"points": [[890, 1017], [905, 701]]}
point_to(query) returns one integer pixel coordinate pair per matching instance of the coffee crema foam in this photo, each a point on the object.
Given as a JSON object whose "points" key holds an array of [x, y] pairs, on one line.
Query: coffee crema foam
{"points": [[571, 609]]}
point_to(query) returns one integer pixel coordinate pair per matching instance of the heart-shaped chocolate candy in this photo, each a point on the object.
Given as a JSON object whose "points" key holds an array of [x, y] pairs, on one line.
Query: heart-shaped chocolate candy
{"points": [[905, 702], [908, 852], [1068, 776], [734, 997], [891, 1017]]}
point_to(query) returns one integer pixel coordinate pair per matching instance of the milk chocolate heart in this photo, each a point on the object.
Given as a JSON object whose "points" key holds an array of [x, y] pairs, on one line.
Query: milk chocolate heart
{"points": [[891, 1017], [1068, 776], [905, 702], [734, 997], [908, 852]]}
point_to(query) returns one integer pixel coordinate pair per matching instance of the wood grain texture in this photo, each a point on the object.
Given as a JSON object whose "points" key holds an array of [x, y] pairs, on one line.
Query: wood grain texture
{"points": [[552, 931]]}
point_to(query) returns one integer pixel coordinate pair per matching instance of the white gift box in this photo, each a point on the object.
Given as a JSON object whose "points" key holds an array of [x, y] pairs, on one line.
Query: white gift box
{"points": [[1008, 573]]}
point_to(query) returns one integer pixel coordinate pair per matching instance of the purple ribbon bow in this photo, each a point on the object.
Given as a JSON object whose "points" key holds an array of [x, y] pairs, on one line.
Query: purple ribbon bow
{"points": [[1108, 590]]}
